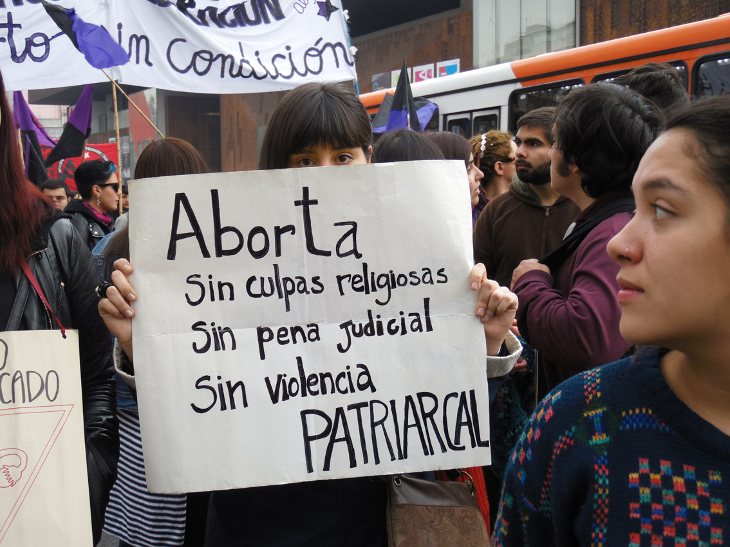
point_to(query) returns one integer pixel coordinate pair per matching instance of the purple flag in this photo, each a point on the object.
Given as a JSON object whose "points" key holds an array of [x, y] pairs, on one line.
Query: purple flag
{"points": [[31, 135], [94, 41], [81, 114], [71, 142], [25, 120], [403, 110], [425, 111]]}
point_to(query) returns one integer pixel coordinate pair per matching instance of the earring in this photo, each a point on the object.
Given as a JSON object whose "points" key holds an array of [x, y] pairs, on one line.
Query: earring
{"points": [[98, 201]]}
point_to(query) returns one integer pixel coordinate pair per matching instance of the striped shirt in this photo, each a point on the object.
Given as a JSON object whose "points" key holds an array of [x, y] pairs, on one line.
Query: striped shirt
{"points": [[134, 514]]}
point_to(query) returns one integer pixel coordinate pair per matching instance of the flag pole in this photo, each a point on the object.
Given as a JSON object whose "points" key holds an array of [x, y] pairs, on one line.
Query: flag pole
{"points": [[117, 86], [119, 147], [20, 146]]}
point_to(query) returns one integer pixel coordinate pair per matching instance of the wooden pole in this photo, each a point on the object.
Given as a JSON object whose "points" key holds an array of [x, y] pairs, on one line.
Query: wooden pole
{"points": [[20, 146], [119, 147], [117, 86]]}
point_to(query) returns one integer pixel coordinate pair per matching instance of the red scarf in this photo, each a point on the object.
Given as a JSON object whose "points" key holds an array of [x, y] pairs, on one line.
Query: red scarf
{"points": [[99, 217]]}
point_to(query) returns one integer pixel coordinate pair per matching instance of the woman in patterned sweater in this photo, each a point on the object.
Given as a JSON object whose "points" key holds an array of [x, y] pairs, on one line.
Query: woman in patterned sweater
{"points": [[638, 452]]}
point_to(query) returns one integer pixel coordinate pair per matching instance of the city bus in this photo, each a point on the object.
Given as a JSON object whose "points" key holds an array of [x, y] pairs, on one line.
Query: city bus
{"points": [[494, 97]]}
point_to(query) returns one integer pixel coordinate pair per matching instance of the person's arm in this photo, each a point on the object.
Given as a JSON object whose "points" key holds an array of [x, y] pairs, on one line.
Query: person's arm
{"points": [[501, 364], [97, 372], [124, 367], [496, 307], [580, 329], [115, 308]]}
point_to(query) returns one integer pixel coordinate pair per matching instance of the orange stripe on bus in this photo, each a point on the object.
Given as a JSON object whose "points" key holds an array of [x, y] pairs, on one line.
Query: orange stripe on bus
{"points": [[658, 40]]}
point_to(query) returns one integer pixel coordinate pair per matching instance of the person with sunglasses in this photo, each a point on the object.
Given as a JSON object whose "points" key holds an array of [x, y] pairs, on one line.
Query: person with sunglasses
{"points": [[97, 183]]}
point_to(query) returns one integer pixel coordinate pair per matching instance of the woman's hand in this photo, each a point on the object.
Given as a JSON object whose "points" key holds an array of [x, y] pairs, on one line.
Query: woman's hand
{"points": [[115, 309], [496, 306]]}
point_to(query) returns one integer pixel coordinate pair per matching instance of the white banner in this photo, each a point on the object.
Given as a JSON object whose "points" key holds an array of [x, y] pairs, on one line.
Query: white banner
{"points": [[44, 493], [201, 46], [296, 325]]}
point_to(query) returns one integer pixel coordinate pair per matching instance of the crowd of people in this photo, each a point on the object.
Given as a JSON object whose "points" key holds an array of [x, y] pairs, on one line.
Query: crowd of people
{"points": [[601, 240]]}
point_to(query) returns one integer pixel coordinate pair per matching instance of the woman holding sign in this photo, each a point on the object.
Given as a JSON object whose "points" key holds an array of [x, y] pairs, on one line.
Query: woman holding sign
{"points": [[47, 281], [134, 515], [314, 125]]}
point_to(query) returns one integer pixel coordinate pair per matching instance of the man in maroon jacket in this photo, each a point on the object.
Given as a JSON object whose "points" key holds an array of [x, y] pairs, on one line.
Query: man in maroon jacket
{"points": [[568, 307]]}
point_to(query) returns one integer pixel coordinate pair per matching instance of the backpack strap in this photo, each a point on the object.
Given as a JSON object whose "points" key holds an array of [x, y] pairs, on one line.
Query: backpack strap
{"points": [[568, 246]]}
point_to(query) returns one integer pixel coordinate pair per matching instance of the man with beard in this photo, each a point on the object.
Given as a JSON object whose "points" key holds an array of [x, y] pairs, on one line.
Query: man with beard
{"points": [[531, 219], [527, 221]]}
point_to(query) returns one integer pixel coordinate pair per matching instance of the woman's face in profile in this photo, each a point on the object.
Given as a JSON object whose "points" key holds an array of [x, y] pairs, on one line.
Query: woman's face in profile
{"points": [[675, 252]]}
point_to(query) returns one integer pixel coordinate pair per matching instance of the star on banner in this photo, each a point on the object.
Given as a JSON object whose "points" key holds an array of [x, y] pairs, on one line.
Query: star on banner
{"points": [[326, 9]]}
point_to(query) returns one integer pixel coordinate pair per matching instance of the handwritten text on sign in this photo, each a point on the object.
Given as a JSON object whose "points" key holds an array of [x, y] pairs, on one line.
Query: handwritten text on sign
{"points": [[294, 325], [206, 46], [44, 492]]}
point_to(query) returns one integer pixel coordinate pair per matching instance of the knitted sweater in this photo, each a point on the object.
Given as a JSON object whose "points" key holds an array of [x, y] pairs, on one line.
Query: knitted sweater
{"points": [[613, 457]]}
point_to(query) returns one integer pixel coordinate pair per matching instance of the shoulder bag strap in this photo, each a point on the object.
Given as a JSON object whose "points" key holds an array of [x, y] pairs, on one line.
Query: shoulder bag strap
{"points": [[39, 291]]}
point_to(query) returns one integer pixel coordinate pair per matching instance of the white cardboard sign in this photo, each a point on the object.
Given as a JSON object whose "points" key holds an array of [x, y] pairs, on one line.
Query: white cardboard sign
{"points": [[44, 492], [305, 324]]}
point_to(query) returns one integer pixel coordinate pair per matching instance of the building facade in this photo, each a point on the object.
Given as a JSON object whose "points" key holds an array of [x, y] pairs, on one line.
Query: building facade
{"points": [[431, 36]]}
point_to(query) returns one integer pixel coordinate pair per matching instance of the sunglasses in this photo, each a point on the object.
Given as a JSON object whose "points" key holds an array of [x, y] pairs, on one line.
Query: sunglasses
{"points": [[114, 185]]}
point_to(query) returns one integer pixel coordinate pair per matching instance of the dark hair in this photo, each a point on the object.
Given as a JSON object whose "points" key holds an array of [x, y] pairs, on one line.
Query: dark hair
{"points": [[405, 145], [658, 82], [23, 205], [605, 129], [90, 173], [708, 120], [56, 184], [167, 157], [497, 147], [315, 114], [452, 146], [542, 118]]}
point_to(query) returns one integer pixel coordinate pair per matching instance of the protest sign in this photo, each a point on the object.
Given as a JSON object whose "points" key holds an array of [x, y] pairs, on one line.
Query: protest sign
{"points": [[44, 493], [295, 325], [207, 46]]}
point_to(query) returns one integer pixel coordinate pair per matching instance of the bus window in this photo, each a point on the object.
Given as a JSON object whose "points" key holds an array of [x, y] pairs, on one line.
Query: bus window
{"points": [[712, 76], [608, 76], [484, 121], [459, 124], [524, 100], [680, 66]]}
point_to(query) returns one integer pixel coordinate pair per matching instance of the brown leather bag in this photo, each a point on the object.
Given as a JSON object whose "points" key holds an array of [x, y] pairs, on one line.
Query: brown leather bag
{"points": [[433, 513]]}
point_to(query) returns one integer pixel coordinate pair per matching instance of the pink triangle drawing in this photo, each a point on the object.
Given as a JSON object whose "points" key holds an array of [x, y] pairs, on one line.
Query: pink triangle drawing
{"points": [[21, 465]]}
